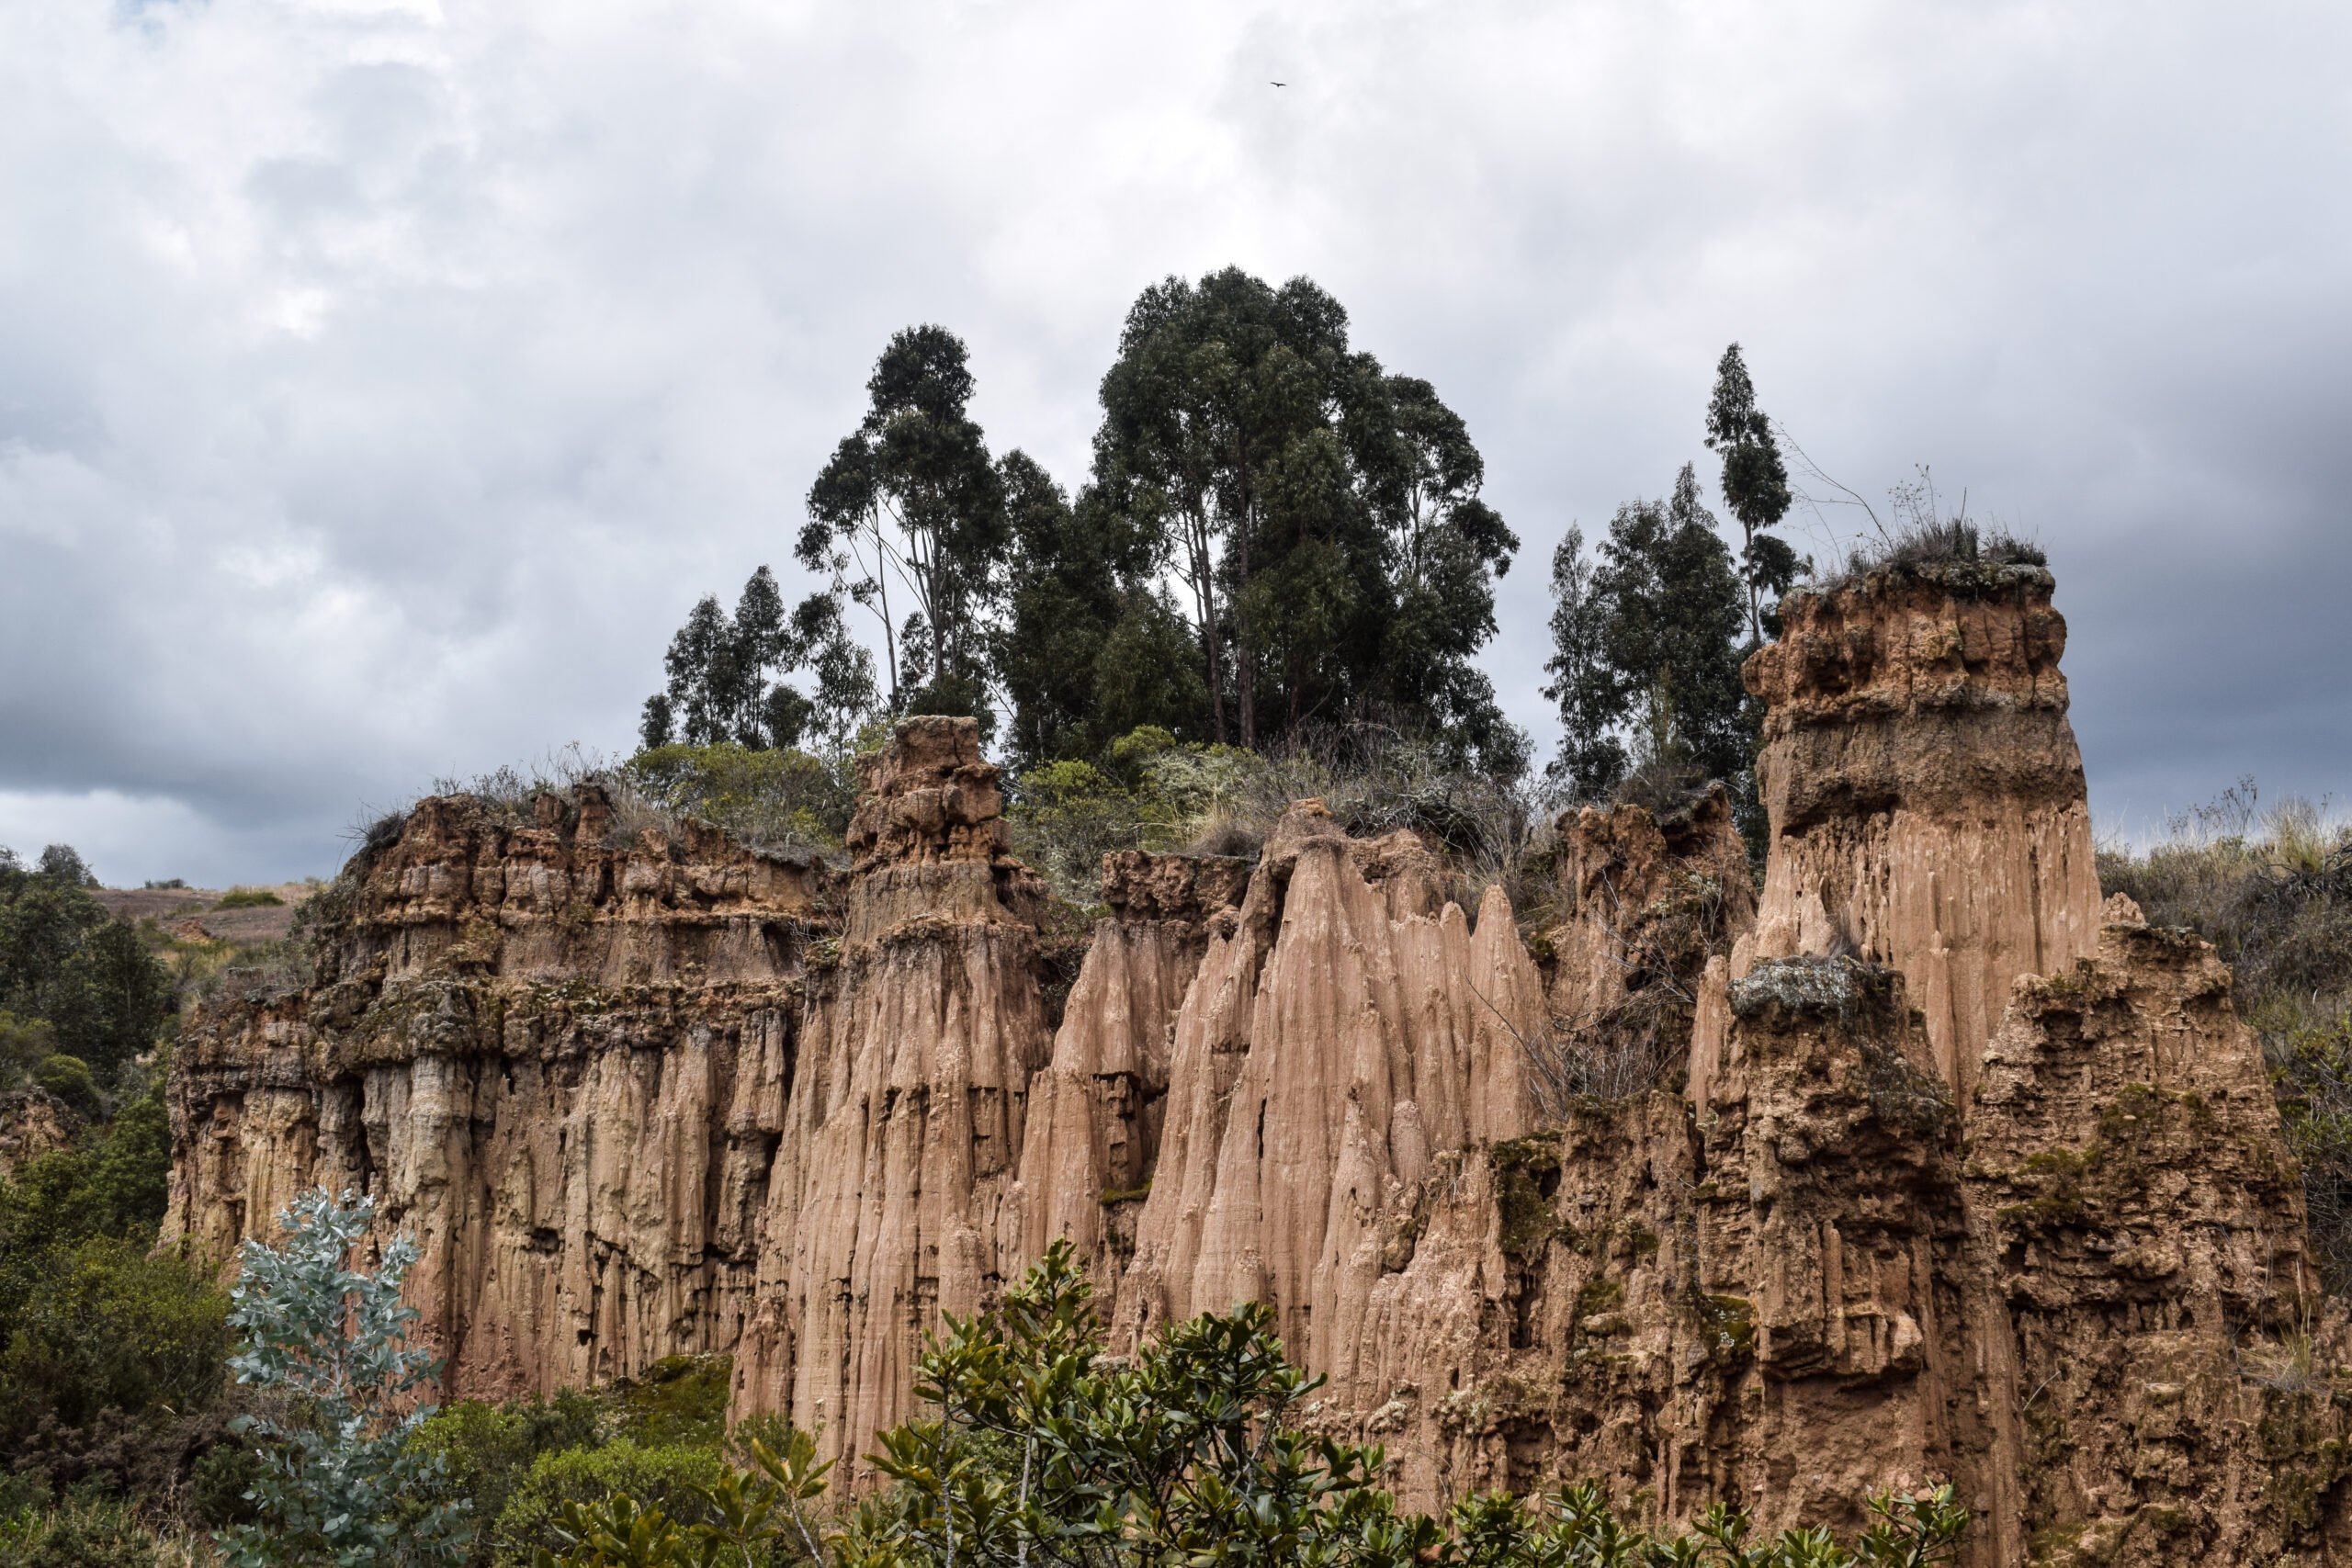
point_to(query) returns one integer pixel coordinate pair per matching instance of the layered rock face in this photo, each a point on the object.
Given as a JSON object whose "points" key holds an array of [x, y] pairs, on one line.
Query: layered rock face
{"points": [[890, 1192], [1926, 794], [1926, 1167], [554, 1052]]}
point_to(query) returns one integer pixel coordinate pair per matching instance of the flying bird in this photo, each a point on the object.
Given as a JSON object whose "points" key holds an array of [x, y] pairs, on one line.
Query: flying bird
{"points": [[1278, 83]]}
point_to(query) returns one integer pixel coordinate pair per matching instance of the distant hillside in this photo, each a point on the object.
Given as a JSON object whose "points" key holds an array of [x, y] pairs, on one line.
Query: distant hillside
{"points": [[191, 914]]}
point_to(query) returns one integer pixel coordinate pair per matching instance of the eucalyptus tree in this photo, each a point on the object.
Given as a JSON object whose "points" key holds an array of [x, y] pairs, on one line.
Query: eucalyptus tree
{"points": [[328, 1345], [1322, 516], [726, 673], [1445, 547], [1646, 650], [1088, 648], [910, 502], [1755, 486]]}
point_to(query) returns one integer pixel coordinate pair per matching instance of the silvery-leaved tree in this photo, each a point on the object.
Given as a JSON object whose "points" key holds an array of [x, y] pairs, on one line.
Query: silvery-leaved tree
{"points": [[328, 1347]]}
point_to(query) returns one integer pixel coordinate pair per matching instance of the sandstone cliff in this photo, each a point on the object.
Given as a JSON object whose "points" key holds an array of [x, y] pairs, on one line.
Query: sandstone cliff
{"points": [[1924, 1166], [544, 1048]]}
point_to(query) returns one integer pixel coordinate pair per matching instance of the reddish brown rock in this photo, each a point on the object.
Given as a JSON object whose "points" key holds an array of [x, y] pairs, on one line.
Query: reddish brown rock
{"points": [[1927, 1177], [1924, 792], [531, 1044], [1096, 1110]]}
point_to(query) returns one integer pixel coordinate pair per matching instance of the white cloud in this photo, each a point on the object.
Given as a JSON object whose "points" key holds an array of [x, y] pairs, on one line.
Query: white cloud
{"points": [[378, 384]]}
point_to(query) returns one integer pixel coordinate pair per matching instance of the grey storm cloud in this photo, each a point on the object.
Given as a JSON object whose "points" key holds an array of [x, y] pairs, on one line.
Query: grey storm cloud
{"points": [[380, 382]]}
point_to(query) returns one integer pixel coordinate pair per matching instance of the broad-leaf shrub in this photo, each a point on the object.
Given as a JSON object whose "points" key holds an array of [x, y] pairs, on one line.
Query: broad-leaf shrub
{"points": [[1043, 1451]]}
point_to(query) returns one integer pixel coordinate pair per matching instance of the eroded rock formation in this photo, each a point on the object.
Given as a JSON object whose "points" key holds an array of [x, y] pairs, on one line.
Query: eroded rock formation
{"points": [[555, 1052], [1924, 1167], [1926, 792]]}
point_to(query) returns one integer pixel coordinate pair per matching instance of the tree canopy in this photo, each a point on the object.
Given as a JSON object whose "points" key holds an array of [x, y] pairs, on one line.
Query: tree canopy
{"points": [[910, 497], [1322, 516], [1646, 650], [1276, 536], [89, 978], [720, 690], [1756, 487]]}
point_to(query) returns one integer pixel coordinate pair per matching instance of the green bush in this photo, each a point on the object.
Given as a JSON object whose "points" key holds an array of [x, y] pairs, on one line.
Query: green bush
{"points": [[2272, 891], [486, 1451], [218, 1484], [79, 1533], [1038, 1448], [107, 1327], [781, 799], [679, 1399], [111, 1184], [672, 1477], [68, 1077], [249, 898], [25, 1044]]}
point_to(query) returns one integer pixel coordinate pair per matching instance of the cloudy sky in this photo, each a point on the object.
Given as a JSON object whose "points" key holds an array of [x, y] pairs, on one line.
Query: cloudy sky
{"points": [[380, 383]]}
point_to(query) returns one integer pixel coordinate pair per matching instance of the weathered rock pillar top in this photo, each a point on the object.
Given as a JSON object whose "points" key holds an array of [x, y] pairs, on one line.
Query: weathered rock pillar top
{"points": [[927, 795], [1924, 790]]}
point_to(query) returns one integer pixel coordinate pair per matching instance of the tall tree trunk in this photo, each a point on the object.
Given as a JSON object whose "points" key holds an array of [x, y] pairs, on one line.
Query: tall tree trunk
{"points": [[890, 632], [1204, 599], [1245, 674], [1748, 574]]}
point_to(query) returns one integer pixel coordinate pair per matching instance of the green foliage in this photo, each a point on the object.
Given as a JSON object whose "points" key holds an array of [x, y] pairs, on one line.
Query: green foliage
{"points": [[68, 1077], [93, 1327], [62, 960], [249, 898], [486, 1451], [911, 498], [2272, 890], [1088, 647], [1038, 1448], [765, 1516], [1756, 487], [82, 1532], [1323, 516], [109, 997], [1044, 1449], [1153, 792], [340, 1482], [672, 1478], [110, 1327], [220, 1484], [765, 797], [25, 1044], [1646, 654], [1066, 815], [719, 668], [679, 1400]]}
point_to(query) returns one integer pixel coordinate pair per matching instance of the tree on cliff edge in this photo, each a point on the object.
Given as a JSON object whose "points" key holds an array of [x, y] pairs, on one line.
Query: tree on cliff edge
{"points": [[1756, 487], [1322, 517], [1646, 652], [911, 498], [724, 674]]}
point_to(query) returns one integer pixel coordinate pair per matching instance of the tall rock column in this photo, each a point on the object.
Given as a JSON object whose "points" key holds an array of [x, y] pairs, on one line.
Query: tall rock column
{"points": [[1345, 1028], [891, 1198], [1095, 1112], [1925, 791]]}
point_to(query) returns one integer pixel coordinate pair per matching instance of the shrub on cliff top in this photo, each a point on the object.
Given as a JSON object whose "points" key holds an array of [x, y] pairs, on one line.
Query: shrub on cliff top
{"points": [[2271, 889], [781, 799]]}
